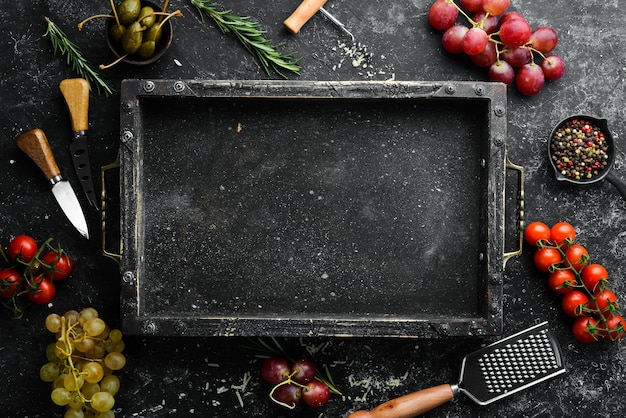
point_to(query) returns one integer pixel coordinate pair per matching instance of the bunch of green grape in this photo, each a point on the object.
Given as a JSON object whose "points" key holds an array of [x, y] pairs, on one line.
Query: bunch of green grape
{"points": [[82, 362]]}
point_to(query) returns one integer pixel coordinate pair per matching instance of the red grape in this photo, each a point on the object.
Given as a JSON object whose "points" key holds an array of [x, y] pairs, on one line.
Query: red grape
{"points": [[553, 67], [496, 7], [544, 39], [442, 15], [529, 79], [303, 371], [316, 394], [288, 393], [487, 57], [501, 71], [516, 56], [452, 39], [486, 22], [510, 16], [472, 5], [515, 32], [274, 370], [475, 41]]}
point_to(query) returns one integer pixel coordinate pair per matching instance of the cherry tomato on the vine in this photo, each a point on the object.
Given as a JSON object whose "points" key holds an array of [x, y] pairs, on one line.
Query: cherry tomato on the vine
{"points": [[24, 247], [42, 292], [616, 328], [562, 233], [605, 302], [562, 281], [585, 330], [594, 277], [574, 303], [60, 265], [545, 257], [578, 256], [316, 394], [536, 232], [10, 283]]}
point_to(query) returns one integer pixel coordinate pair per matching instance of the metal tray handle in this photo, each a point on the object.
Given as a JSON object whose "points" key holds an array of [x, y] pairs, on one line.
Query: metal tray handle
{"points": [[520, 232], [115, 164]]}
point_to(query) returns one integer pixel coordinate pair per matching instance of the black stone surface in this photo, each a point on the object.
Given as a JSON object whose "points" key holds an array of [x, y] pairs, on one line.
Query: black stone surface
{"points": [[208, 377]]}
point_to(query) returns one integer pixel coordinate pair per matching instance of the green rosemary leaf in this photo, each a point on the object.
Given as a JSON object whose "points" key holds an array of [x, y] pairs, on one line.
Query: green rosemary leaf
{"points": [[250, 36], [61, 44]]}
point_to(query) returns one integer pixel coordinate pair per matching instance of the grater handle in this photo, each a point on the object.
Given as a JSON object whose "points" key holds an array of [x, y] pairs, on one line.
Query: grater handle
{"points": [[410, 405]]}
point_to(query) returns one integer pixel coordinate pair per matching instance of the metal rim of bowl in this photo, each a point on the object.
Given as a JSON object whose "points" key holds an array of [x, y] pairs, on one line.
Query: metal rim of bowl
{"points": [[603, 125]]}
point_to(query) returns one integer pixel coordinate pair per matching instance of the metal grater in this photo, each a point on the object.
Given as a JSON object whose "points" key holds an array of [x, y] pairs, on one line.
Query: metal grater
{"points": [[510, 365]]}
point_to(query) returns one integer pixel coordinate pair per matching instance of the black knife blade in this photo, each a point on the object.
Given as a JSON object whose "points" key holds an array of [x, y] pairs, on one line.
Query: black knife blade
{"points": [[76, 94]]}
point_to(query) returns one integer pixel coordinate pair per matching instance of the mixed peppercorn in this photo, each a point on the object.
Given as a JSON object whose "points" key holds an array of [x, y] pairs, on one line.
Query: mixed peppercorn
{"points": [[579, 149]]}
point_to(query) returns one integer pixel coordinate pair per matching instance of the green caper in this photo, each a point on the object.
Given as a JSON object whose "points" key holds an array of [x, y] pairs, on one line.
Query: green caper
{"points": [[132, 39], [128, 11], [153, 33], [146, 50], [147, 16], [116, 32]]}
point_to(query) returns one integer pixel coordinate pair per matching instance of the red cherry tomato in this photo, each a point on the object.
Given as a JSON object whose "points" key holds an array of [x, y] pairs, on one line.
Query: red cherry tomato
{"points": [[546, 257], [316, 394], [616, 328], [42, 291], [562, 233], [537, 232], [585, 330], [60, 265], [10, 283], [577, 256], [605, 302], [594, 277], [574, 303], [24, 247], [562, 281]]}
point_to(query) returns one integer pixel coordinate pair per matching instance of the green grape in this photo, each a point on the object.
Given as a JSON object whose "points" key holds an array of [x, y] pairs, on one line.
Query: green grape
{"points": [[86, 314], [70, 383], [115, 360], [49, 372], [76, 402], [61, 396], [85, 345], [94, 326], [53, 323], [61, 350], [58, 382], [110, 383], [104, 334], [115, 335], [111, 346], [102, 401], [89, 389], [93, 372], [74, 413], [50, 353], [71, 317], [97, 352]]}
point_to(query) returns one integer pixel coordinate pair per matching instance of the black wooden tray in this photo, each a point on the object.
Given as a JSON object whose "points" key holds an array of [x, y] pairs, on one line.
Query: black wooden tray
{"points": [[296, 208]]}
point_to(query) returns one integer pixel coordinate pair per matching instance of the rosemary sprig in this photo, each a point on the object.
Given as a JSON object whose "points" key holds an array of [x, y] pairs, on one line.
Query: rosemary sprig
{"points": [[61, 43], [252, 38]]}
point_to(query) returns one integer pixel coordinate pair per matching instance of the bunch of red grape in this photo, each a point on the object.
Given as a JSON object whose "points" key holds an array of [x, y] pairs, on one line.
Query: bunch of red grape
{"points": [[501, 41], [295, 381]]}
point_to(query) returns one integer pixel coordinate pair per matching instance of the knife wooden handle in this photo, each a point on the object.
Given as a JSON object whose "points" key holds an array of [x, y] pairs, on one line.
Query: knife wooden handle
{"points": [[410, 405], [302, 14], [76, 94], [35, 144]]}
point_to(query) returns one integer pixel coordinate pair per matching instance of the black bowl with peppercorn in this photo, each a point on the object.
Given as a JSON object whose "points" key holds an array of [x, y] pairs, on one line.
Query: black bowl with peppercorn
{"points": [[581, 151]]}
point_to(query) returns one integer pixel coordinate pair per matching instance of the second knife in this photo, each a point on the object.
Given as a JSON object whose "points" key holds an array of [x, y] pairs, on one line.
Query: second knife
{"points": [[76, 94]]}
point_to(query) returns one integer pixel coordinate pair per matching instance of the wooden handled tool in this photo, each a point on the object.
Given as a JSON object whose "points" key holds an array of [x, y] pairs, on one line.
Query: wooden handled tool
{"points": [[302, 14]]}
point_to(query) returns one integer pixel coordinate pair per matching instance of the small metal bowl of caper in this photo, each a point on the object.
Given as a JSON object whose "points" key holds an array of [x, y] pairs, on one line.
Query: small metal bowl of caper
{"points": [[140, 33]]}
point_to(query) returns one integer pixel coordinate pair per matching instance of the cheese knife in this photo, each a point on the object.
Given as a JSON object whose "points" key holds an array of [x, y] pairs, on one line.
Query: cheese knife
{"points": [[76, 94], [35, 144]]}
